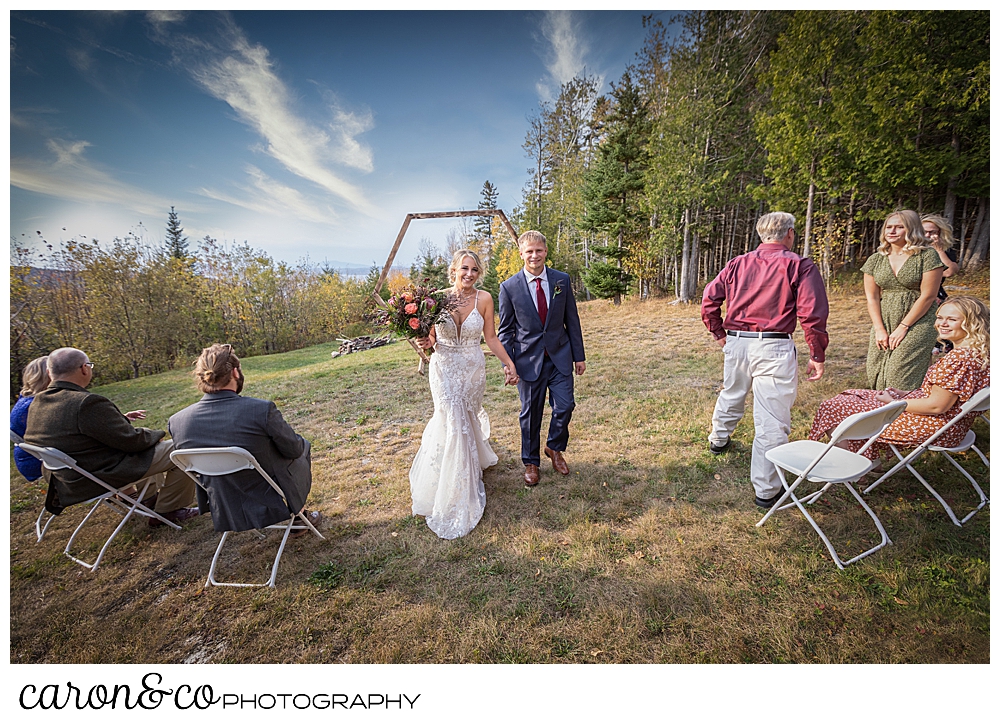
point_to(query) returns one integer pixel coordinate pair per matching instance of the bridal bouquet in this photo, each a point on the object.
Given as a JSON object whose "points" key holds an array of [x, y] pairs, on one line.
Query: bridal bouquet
{"points": [[414, 310]]}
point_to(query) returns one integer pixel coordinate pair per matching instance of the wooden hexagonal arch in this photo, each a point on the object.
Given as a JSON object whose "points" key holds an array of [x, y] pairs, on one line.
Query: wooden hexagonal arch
{"points": [[399, 240]]}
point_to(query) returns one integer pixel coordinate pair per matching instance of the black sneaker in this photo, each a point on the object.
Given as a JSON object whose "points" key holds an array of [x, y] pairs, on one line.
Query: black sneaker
{"points": [[719, 449], [767, 502]]}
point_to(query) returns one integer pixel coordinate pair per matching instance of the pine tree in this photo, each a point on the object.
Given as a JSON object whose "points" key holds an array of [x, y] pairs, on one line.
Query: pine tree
{"points": [[613, 186], [484, 224], [177, 245], [430, 267]]}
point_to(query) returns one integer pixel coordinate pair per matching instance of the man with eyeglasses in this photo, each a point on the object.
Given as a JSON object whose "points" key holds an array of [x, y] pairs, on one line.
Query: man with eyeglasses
{"points": [[91, 429]]}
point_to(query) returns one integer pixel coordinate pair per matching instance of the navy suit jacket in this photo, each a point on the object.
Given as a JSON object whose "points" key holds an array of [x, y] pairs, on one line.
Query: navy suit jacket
{"points": [[521, 331]]}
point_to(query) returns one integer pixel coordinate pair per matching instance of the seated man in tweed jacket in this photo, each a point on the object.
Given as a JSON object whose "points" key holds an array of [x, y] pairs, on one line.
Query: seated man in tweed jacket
{"points": [[102, 440], [243, 500]]}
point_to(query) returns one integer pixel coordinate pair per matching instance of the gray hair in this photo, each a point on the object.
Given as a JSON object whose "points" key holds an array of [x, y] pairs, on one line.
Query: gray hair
{"points": [[64, 361], [774, 226], [531, 236]]}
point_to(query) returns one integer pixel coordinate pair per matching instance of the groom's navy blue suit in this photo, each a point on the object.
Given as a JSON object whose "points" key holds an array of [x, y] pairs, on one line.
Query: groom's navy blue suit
{"points": [[543, 356]]}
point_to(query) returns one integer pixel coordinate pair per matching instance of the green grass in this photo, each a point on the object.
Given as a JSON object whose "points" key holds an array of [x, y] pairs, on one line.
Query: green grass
{"points": [[646, 553]]}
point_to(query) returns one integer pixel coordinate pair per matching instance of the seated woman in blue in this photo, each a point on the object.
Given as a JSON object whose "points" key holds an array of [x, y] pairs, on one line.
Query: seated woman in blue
{"points": [[34, 379]]}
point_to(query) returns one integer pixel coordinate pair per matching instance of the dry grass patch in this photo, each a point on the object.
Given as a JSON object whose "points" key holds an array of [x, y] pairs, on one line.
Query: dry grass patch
{"points": [[647, 552]]}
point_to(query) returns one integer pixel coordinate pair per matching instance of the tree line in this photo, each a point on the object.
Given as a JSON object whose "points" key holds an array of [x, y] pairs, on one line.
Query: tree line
{"points": [[140, 308], [838, 117]]}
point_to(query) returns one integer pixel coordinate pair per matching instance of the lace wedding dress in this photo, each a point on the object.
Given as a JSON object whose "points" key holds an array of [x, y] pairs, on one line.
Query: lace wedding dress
{"points": [[446, 478]]}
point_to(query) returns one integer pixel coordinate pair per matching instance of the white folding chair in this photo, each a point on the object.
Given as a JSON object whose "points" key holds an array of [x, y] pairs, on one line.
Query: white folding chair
{"points": [[979, 402], [211, 461], [829, 464], [39, 530], [123, 504]]}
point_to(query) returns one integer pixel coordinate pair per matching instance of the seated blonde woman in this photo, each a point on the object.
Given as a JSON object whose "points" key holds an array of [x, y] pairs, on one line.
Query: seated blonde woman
{"points": [[951, 381], [34, 379]]}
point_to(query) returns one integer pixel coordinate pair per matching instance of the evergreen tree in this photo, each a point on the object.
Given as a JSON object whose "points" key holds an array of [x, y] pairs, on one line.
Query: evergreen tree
{"points": [[430, 266], [484, 224], [613, 187], [177, 245]]}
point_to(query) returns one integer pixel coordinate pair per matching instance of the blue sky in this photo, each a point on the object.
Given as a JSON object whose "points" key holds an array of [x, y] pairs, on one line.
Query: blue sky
{"points": [[306, 134]]}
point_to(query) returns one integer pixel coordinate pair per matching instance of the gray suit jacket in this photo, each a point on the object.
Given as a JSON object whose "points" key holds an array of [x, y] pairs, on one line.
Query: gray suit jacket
{"points": [[244, 500], [90, 429]]}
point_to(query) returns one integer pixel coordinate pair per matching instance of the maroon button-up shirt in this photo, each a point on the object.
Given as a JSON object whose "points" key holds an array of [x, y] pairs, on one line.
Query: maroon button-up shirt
{"points": [[765, 291]]}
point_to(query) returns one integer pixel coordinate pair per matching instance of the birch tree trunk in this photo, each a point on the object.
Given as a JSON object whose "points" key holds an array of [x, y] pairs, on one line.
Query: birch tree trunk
{"points": [[809, 210], [974, 241], [682, 287], [980, 246]]}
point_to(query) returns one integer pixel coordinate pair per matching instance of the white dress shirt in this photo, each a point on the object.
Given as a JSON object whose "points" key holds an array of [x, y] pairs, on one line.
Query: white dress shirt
{"points": [[532, 286]]}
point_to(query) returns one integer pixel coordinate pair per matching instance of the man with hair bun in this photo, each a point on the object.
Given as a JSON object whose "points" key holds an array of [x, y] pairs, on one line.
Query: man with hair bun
{"points": [[102, 440], [764, 292], [222, 418]]}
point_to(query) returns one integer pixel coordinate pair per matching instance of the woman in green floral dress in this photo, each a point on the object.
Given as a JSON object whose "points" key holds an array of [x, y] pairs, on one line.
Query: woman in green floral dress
{"points": [[901, 283]]}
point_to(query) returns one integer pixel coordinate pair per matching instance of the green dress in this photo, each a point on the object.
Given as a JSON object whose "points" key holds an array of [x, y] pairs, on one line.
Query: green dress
{"points": [[905, 366]]}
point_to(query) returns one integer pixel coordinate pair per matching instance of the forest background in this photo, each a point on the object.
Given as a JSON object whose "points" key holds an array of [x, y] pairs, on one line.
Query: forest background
{"points": [[838, 117]]}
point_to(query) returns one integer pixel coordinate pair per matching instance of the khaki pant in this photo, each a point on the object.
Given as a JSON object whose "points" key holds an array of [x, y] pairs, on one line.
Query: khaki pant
{"points": [[173, 487], [768, 368]]}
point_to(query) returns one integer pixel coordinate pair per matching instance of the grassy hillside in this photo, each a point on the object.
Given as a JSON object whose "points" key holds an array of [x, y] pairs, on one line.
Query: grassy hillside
{"points": [[646, 553]]}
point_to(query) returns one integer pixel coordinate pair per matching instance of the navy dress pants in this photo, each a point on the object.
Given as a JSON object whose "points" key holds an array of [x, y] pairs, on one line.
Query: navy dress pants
{"points": [[560, 389]]}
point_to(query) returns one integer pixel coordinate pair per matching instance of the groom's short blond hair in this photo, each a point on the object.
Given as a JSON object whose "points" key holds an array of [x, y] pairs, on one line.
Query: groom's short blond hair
{"points": [[531, 236]]}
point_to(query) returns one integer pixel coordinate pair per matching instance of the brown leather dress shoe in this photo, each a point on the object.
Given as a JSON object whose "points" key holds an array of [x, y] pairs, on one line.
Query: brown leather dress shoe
{"points": [[531, 475], [314, 517], [175, 516], [558, 461]]}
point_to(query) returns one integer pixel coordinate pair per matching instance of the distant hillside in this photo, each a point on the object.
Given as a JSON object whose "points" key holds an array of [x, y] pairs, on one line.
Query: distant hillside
{"points": [[358, 270]]}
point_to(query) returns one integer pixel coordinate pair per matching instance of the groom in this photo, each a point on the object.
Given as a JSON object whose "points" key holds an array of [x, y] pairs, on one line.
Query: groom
{"points": [[540, 329]]}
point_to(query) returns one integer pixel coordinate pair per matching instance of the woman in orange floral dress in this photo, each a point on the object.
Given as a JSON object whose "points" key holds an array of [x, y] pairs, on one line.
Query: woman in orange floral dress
{"points": [[953, 380]]}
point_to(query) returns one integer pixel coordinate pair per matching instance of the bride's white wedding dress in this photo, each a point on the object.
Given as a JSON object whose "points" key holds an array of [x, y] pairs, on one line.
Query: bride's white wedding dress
{"points": [[446, 478]]}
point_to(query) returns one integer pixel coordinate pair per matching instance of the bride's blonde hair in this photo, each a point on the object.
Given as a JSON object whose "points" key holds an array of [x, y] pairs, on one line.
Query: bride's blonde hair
{"points": [[456, 261]]}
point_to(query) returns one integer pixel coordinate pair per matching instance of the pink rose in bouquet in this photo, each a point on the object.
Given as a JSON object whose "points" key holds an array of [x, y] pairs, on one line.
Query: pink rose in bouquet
{"points": [[414, 311]]}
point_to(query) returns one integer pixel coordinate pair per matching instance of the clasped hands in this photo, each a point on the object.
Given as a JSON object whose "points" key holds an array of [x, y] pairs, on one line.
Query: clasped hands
{"points": [[884, 340], [510, 376], [889, 394]]}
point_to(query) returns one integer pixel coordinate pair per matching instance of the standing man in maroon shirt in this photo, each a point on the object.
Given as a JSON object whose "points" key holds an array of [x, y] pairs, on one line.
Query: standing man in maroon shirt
{"points": [[765, 291]]}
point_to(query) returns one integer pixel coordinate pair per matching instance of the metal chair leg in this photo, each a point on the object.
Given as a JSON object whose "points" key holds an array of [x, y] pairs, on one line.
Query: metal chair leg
{"points": [[983, 500], [800, 503], [40, 530]]}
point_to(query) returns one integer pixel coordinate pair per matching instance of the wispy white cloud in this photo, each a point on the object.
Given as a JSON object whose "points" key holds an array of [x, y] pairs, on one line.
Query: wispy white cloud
{"points": [[242, 74], [73, 177], [564, 52], [268, 196], [160, 19]]}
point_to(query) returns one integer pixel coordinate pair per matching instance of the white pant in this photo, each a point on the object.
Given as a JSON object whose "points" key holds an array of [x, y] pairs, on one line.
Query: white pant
{"points": [[770, 368]]}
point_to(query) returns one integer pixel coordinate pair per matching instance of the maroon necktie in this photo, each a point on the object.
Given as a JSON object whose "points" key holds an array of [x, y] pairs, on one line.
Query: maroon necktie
{"points": [[543, 308]]}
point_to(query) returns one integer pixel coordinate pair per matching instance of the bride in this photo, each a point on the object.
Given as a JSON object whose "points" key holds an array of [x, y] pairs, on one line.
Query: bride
{"points": [[446, 478]]}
